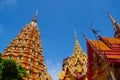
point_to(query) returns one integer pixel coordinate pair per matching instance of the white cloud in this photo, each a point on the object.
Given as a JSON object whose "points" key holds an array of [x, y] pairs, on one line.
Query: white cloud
{"points": [[54, 69], [6, 3]]}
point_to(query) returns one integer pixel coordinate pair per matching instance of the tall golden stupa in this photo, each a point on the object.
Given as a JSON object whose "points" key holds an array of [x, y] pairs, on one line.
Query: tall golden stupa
{"points": [[26, 49], [75, 66]]}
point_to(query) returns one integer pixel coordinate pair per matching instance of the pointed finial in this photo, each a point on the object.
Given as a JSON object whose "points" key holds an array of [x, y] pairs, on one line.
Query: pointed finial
{"points": [[93, 30], [112, 19], [36, 13], [84, 36], [35, 17], [75, 34], [115, 23]]}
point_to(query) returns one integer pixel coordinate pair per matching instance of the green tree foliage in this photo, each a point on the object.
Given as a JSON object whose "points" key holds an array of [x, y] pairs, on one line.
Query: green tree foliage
{"points": [[10, 70]]}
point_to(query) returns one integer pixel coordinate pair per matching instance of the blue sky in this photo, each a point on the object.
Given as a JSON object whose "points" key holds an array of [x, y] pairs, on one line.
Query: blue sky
{"points": [[57, 20]]}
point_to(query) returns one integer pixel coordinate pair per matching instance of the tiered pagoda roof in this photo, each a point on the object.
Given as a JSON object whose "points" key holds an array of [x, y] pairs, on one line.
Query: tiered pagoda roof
{"points": [[104, 55], [109, 46], [26, 49]]}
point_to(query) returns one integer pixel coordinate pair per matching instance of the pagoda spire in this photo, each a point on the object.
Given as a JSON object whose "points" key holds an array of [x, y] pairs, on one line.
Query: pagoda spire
{"points": [[75, 66], [75, 34], [35, 17], [27, 50], [77, 45], [116, 26]]}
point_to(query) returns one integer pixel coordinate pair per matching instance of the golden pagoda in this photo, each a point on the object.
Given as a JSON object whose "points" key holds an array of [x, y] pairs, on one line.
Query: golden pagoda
{"points": [[104, 56], [75, 66], [26, 49]]}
